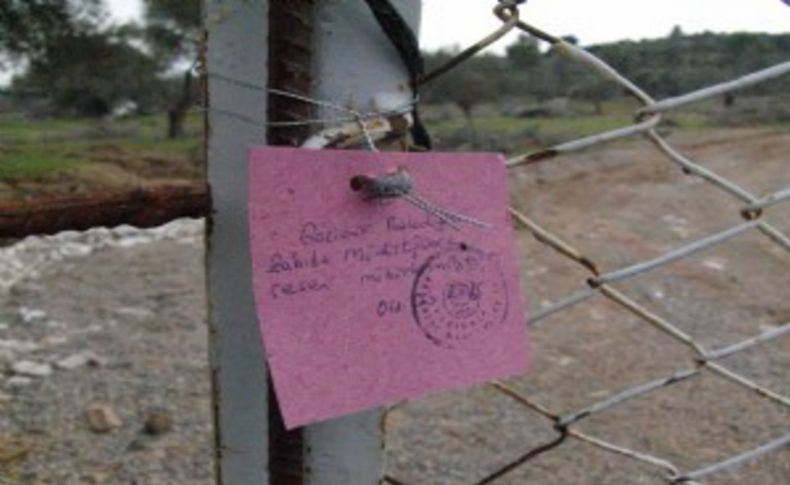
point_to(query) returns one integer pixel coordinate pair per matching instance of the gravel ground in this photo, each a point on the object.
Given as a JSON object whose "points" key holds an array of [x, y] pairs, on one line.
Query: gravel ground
{"points": [[135, 301], [621, 205]]}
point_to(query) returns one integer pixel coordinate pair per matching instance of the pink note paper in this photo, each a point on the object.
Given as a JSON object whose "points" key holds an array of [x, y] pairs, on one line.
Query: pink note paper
{"points": [[363, 303]]}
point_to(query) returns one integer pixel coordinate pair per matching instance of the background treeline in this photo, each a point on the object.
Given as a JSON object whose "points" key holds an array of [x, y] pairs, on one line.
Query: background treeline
{"points": [[663, 67], [71, 60]]}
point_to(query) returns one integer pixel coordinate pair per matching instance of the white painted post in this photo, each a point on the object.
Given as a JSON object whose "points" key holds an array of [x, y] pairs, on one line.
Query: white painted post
{"points": [[354, 65], [237, 32]]}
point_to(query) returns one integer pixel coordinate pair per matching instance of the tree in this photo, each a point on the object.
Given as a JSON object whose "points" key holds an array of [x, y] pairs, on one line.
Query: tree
{"points": [[87, 74], [173, 29], [28, 28], [83, 66], [668, 66], [477, 80], [594, 89], [524, 53]]}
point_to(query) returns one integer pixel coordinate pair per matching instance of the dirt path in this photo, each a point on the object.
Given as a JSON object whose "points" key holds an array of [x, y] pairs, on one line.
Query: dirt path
{"points": [[622, 205]]}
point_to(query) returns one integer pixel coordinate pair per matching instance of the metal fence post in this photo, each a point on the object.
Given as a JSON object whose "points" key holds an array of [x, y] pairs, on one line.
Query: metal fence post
{"points": [[356, 66], [353, 65], [237, 36]]}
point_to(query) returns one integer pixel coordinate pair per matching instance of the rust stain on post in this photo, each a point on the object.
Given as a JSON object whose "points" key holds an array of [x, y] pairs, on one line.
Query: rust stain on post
{"points": [[290, 64], [148, 207], [290, 61]]}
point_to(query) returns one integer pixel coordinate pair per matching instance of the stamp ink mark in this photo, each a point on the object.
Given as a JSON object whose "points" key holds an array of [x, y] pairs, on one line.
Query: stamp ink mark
{"points": [[457, 294]]}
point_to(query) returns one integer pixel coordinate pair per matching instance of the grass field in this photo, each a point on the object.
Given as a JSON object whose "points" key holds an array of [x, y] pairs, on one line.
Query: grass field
{"points": [[579, 121], [52, 156], [569, 126], [31, 148]]}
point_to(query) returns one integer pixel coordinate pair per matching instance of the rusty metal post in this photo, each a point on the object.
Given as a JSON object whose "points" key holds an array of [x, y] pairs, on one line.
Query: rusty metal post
{"points": [[289, 70], [332, 50], [354, 65]]}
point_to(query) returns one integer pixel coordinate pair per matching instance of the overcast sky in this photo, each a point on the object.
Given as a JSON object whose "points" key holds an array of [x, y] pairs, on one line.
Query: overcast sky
{"points": [[461, 22], [596, 21]]}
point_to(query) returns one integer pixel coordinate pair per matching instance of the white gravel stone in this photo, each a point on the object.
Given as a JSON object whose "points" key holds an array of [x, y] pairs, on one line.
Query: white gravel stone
{"points": [[130, 242], [20, 346], [75, 361], [75, 250], [31, 369], [32, 257], [30, 315], [18, 381], [102, 418], [126, 230]]}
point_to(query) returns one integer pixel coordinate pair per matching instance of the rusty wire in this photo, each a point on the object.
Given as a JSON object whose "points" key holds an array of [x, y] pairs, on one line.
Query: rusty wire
{"points": [[753, 210]]}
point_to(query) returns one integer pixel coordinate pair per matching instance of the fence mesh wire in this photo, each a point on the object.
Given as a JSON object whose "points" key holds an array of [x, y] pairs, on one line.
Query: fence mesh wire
{"points": [[754, 214]]}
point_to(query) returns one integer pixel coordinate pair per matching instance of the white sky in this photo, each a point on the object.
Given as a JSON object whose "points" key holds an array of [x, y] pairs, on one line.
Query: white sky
{"points": [[124, 10], [448, 22], [462, 22]]}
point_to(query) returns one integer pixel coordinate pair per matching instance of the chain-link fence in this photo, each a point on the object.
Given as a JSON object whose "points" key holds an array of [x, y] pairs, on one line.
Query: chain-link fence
{"points": [[755, 217]]}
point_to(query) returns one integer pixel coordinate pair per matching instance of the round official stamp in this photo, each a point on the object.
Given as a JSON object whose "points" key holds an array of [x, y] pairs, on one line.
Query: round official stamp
{"points": [[459, 294]]}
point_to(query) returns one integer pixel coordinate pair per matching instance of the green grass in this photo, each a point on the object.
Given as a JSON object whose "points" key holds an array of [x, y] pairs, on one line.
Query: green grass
{"points": [[571, 126], [34, 162], [10, 127], [617, 114], [161, 146], [150, 126], [31, 148], [512, 134]]}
